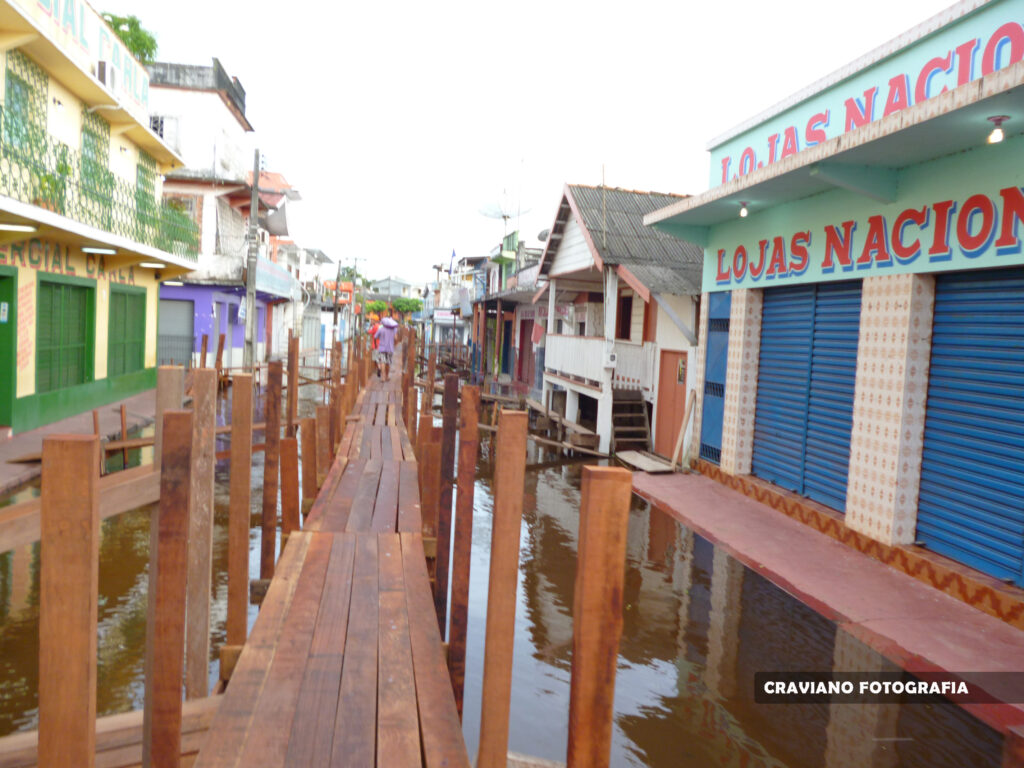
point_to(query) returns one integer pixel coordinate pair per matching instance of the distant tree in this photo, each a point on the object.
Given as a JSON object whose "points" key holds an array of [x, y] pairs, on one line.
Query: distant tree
{"points": [[140, 41], [405, 306], [376, 306]]}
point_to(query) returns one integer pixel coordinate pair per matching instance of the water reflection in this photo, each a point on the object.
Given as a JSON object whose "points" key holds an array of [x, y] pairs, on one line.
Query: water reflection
{"points": [[123, 590], [697, 626]]}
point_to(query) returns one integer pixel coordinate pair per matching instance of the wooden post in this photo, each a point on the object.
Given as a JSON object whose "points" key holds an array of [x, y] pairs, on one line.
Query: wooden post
{"points": [[682, 429], [449, 410], [289, 487], [430, 481], [271, 463], [124, 435], [597, 613], [336, 418], [170, 392], [293, 384], [200, 534], [510, 470], [469, 441], [431, 373], [101, 456], [324, 447], [307, 433], [68, 586], [163, 743], [239, 511], [202, 351], [218, 363]]}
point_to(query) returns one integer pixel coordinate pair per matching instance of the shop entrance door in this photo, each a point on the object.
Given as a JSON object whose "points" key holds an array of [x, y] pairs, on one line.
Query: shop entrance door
{"points": [[8, 369]]}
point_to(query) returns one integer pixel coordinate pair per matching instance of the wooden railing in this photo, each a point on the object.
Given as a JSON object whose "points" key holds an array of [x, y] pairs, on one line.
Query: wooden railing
{"points": [[582, 357]]}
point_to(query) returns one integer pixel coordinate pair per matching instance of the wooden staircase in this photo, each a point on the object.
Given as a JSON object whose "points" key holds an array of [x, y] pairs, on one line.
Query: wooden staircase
{"points": [[631, 429]]}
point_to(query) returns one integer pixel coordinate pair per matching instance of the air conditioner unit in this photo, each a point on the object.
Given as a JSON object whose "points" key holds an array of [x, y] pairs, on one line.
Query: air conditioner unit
{"points": [[610, 359], [106, 74]]}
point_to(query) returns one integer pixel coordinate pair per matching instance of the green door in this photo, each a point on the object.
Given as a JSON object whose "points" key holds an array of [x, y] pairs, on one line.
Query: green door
{"points": [[8, 315]]}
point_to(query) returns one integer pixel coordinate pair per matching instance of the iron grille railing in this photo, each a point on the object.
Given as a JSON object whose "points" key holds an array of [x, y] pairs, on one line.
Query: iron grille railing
{"points": [[39, 170], [173, 349]]}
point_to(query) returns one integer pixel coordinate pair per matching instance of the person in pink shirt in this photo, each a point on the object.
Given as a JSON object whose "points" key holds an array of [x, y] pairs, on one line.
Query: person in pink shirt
{"points": [[385, 337]]}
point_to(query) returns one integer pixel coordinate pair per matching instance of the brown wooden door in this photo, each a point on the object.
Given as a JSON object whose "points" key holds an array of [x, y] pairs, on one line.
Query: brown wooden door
{"points": [[671, 401], [526, 351]]}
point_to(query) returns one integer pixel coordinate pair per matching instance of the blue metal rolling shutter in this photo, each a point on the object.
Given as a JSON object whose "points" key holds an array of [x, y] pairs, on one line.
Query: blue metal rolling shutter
{"points": [[783, 381], [830, 405], [713, 406], [807, 369], [971, 504]]}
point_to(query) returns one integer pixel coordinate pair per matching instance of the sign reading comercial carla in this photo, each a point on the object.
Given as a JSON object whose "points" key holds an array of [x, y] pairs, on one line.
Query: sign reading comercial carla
{"points": [[86, 38], [987, 39]]}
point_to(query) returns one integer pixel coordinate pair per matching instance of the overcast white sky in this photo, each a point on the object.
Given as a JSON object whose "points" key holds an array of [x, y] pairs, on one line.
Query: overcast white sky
{"points": [[399, 121]]}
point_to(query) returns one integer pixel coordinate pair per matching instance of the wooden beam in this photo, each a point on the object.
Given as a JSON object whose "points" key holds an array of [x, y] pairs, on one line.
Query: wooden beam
{"points": [[169, 588], [293, 380], [323, 443], [469, 442], [450, 408], [597, 613], [307, 434], [239, 510], [501, 594], [68, 600], [289, 486], [200, 534], [271, 461]]}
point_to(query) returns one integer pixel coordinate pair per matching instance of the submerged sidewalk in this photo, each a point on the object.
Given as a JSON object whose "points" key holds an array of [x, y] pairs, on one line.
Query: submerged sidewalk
{"points": [[911, 623], [140, 411]]}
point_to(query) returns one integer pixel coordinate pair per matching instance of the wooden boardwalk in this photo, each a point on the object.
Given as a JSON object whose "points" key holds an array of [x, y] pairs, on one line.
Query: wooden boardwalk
{"points": [[345, 665]]}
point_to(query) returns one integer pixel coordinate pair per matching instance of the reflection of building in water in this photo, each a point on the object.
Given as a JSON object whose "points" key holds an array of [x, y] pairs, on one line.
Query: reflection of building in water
{"points": [[23, 568]]}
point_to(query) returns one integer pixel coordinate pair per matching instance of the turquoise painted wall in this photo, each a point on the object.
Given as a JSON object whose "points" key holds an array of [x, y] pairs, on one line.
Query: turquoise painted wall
{"points": [[977, 193]]}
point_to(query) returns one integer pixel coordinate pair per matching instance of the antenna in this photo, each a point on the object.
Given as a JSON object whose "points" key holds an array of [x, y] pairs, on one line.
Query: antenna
{"points": [[604, 213]]}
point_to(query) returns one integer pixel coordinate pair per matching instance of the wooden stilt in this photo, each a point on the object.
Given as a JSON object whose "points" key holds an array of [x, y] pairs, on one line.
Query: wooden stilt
{"points": [[239, 509], [169, 586], [324, 446], [510, 470], [469, 442], [68, 586], [430, 481], [200, 534], [293, 385], [218, 362], [202, 350], [271, 464], [124, 435], [597, 613], [307, 434], [449, 410], [289, 487]]}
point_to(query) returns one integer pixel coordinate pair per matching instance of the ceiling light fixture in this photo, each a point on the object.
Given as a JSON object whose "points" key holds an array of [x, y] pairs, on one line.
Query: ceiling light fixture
{"points": [[97, 249], [997, 133], [152, 265], [8, 227], [175, 283], [743, 210]]}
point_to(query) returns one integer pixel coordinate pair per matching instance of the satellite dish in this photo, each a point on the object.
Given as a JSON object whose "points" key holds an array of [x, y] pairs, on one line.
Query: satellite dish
{"points": [[503, 209], [543, 235]]}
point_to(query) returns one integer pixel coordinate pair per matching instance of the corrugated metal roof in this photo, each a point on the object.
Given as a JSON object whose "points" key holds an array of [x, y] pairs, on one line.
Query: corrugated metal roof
{"points": [[614, 219]]}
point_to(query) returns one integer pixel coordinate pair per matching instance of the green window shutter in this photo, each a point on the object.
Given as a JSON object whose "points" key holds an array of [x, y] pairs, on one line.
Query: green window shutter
{"points": [[126, 332], [115, 345], [63, 336]]}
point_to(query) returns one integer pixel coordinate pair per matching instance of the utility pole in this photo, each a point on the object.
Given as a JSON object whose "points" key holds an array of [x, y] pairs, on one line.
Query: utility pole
{"points": [[249, 351]]}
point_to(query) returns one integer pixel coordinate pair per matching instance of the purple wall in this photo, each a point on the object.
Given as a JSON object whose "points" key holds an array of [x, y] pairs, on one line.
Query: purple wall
{"points": [[204, 297]]}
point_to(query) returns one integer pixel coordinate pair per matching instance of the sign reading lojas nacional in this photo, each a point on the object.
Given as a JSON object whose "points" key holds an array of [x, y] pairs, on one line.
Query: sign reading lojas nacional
{"points": [[987, 38]]}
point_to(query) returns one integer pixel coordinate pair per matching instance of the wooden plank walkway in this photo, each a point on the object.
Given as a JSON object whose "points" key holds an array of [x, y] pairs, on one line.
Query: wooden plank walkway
{"points": [[344, 665]]}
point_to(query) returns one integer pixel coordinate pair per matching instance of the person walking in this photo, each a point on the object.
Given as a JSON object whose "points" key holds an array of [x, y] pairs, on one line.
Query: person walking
{"points": [[385, 338], [374, 343]]}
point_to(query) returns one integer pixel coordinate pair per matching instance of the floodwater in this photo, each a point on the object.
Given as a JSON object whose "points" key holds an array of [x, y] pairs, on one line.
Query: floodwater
{"points": [[697, 624]]}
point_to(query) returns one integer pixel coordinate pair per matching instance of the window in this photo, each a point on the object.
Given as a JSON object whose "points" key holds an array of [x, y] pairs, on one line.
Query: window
{"points": [[24, 123], [96, 179], [126, 331], [64, 335], [624, 318]]}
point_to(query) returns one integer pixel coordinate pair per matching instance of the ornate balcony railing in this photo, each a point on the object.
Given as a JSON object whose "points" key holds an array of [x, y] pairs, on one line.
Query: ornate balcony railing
{"points": [[36, 168]]}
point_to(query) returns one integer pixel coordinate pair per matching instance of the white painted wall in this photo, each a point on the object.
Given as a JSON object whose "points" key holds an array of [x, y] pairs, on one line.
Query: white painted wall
{"points": [[209, 136], [667, 334], [573, 254]]}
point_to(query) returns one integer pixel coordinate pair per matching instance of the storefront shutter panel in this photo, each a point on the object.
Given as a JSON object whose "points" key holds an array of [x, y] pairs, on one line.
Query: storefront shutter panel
{"points": [[115, 331], [830, 400], [47, 336], [713, 406], [783, 382], [971, 505], [136, 349]]}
